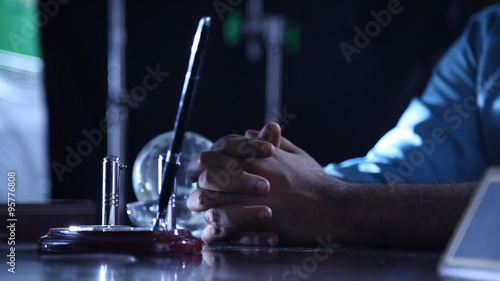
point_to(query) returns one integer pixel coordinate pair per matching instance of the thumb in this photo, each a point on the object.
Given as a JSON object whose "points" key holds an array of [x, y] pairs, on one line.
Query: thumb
{"points": [[271, 132]]}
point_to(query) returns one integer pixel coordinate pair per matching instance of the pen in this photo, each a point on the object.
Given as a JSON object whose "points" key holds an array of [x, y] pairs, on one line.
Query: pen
{"points": [[172, 158]]}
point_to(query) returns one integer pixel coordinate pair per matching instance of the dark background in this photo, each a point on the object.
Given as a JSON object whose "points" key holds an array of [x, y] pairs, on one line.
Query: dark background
{"points": [[341, 108]]}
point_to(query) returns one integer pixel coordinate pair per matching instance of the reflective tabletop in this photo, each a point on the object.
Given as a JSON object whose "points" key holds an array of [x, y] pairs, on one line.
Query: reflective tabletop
{"points": [[225, 262]]}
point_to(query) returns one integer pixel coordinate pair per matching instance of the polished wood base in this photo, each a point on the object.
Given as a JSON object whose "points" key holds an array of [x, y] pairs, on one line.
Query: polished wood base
{"points": [[118, 239]]}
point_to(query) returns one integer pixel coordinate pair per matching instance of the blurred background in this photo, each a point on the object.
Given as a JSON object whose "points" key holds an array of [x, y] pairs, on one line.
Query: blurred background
{"points": [[336, 108]]}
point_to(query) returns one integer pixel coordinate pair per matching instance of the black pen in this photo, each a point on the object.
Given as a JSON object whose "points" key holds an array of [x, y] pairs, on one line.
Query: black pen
{"points": [[172, 159]]}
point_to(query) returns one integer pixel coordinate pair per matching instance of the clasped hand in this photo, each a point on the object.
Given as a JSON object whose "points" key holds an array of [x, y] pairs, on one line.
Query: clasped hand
{"points": [[259, 189]]}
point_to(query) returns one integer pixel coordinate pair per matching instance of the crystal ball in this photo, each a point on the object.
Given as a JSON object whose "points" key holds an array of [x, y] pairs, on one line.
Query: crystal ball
{"points": [[145, 178]]}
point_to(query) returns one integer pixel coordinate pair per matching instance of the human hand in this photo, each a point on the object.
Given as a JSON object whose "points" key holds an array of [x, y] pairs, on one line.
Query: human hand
{"points": [[259, 189]]}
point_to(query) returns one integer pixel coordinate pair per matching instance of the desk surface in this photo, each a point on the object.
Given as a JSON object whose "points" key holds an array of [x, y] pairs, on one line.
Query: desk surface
{"points": [[227, 263]]}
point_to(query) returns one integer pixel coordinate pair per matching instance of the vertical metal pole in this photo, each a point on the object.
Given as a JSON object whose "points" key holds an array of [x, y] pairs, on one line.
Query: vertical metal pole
{"points": [[116, 115], [273, 40], [269, 29], [253, 29]]}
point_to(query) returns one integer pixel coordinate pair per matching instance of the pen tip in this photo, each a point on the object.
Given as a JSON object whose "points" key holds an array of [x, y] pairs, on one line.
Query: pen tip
{"points": [[206, 20]]}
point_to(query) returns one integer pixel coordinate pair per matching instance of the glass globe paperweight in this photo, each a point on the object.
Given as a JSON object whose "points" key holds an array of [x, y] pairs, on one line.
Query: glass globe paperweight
{"points": [[145, 178]]}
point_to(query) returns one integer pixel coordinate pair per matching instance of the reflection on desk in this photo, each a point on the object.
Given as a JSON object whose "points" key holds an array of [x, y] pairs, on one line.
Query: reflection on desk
{"points": [[224, 262]]}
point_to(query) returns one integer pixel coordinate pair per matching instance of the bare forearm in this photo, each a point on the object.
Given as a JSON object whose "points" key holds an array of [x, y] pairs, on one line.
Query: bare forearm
{"points": [[409, 215], [282, 193]]}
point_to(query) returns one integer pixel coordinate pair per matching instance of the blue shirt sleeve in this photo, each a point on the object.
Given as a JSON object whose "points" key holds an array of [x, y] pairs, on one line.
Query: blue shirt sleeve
{"points": [[441, 135]]}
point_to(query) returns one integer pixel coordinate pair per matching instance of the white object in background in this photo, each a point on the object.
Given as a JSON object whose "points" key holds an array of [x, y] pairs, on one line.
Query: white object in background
{"points": [[23, 128], [473, 252]]}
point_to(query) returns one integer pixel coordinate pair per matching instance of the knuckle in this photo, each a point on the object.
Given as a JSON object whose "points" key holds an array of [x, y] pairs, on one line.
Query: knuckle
{"points": [[222, 142], [202, 180], [207, 235], [220, 232], [203, 159], [217, 146], [202, 201], [212, 216], [195, 202], [192, 168], [219, 179]]}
